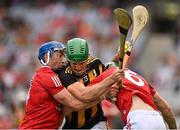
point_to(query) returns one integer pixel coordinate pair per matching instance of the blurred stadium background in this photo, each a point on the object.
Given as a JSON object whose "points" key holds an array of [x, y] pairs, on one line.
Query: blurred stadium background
{"points": [[25, 24]]}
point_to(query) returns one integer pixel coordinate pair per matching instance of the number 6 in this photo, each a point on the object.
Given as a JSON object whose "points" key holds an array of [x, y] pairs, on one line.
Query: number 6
{"points": [[129, 75]]}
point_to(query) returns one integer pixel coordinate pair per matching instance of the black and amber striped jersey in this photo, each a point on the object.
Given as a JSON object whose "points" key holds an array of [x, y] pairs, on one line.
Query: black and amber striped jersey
{"points": [[83, 119]]}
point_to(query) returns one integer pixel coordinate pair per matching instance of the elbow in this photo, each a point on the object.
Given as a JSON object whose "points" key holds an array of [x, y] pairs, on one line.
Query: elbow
{"points": [[168, 110], [78, 107]]}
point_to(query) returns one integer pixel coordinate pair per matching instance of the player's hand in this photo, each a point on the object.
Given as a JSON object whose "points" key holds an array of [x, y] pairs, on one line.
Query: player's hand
{"points": [[113, 92], [117, 75]]}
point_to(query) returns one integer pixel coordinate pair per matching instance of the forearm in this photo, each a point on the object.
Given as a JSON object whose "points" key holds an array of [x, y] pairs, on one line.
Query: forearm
{"points": [[166, 111], [169, 117], [78, 105], [93, 92], [98, 86], [64, 97]]}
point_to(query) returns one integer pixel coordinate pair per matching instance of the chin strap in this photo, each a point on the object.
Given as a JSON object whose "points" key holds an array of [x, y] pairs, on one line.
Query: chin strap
{"points": [[45, 63]]}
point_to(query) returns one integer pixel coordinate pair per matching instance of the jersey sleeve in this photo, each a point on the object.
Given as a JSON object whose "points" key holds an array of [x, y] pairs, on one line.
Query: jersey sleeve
{"points": [[152, 90], [102, 76], [52, 83], [94, 62]]}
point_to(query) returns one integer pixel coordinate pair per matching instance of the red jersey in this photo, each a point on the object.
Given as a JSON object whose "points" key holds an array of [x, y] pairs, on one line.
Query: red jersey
{"points": [[133, 84], [41, 108]]}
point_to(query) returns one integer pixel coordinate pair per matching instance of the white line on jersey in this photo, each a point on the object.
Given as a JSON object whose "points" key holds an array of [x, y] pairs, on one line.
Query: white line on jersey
{"points": [[56, 81]]}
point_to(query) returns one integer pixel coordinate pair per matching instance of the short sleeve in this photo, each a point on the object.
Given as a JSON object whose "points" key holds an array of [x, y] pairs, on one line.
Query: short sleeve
{"points": [[152, 90], [53, 84]]}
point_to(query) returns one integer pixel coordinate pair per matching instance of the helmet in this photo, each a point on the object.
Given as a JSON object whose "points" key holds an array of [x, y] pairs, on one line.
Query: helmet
{"points": [[77, 50], [49, 47]]}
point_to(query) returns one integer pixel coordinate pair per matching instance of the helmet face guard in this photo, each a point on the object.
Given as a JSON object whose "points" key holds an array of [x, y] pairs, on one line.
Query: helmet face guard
{"points": [[79, 68], [77, 50], [49, 48]]}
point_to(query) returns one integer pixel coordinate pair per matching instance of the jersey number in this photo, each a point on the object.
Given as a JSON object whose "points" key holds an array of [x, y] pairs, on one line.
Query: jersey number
{"points": [[131, 76]]}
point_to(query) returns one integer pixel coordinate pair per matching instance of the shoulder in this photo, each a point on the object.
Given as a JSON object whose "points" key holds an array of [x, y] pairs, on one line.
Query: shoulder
{"points": [[46, 75], [132, 73], [64, 71], [45, 72], [134, 79], [94, 62], [66, 75]]}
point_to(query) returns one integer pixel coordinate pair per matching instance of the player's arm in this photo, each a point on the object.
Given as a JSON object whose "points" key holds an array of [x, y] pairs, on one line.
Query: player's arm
{"points": [[166, 111], [67, 110], [73, 104], [80, 106], [62, 95], [88, 94], [116, 58]]}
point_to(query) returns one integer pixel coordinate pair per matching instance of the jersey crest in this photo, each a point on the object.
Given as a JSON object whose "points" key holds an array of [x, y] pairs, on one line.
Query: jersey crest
{"points": [[68, 70]]}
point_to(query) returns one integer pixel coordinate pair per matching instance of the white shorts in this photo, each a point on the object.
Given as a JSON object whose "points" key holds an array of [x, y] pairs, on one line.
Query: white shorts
{"points": [[100, 126], [144, 119]]}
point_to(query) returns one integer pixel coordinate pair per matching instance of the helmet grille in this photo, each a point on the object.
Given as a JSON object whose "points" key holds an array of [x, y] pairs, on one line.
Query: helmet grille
{"points": [[82, 50], [71, 49]]}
